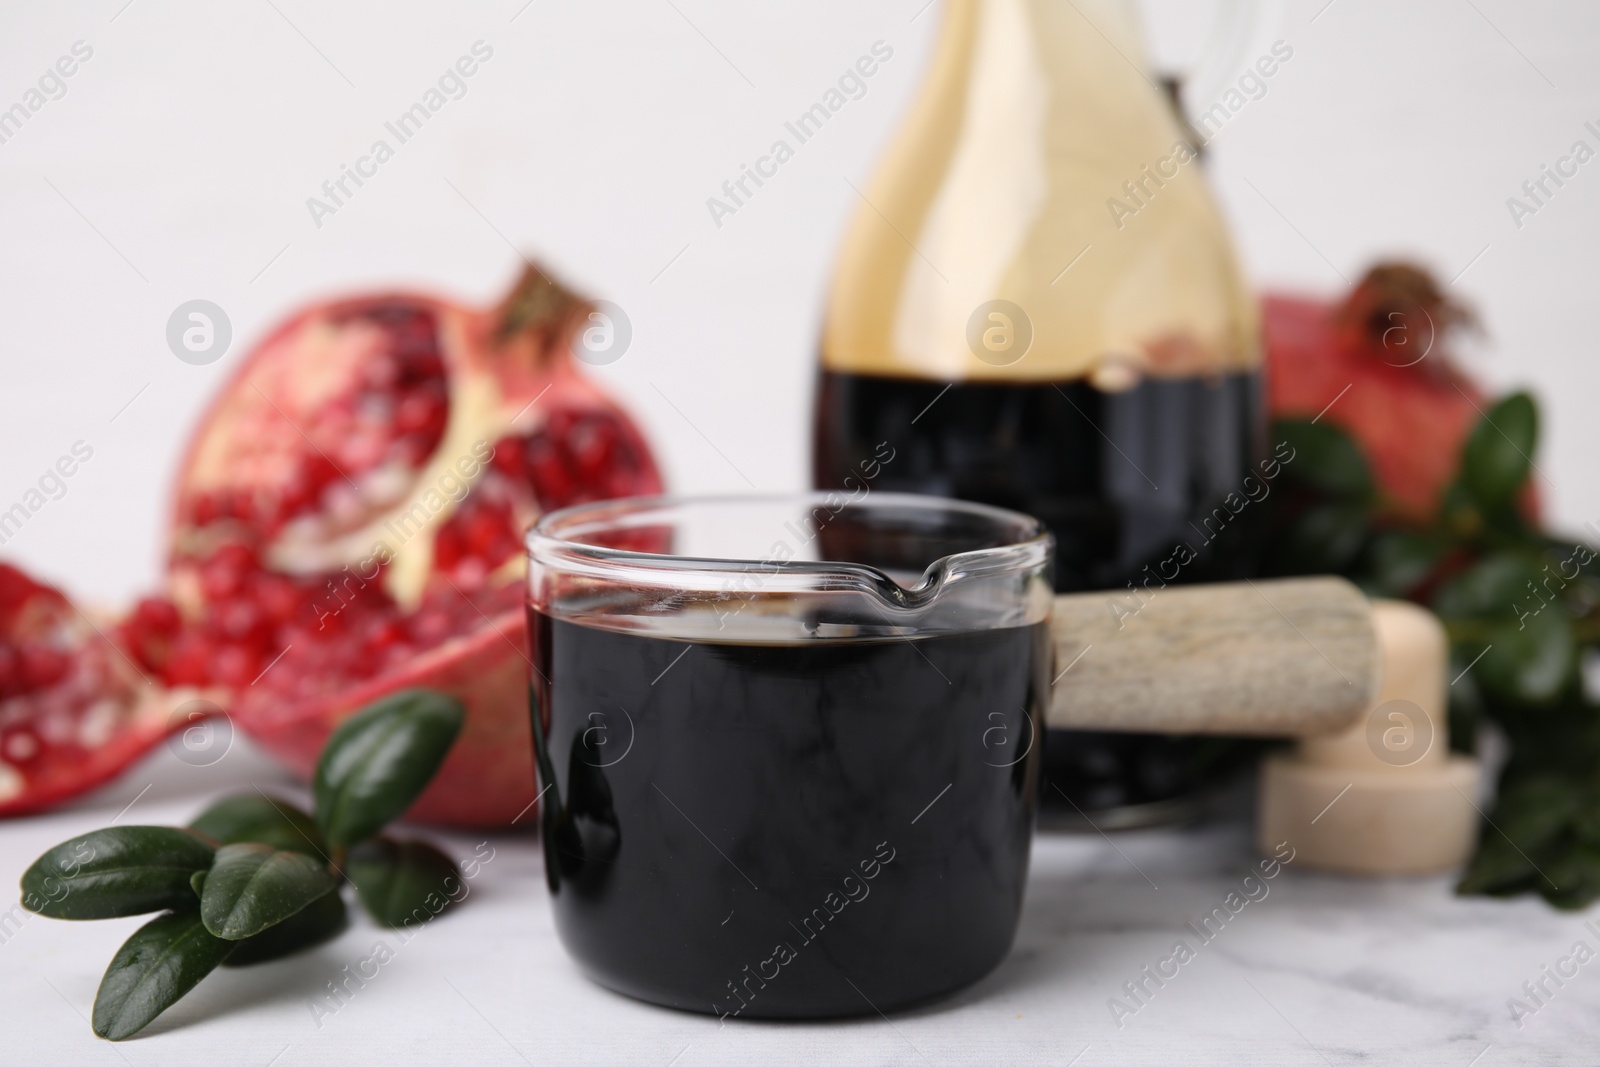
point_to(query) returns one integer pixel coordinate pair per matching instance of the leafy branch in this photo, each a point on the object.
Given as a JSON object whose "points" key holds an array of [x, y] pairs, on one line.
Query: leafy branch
{"points": [[254, 878], [1522, 610]]}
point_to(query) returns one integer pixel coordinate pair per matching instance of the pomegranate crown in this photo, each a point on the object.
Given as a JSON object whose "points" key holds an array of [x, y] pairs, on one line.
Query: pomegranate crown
{"points": [[1395, 292], [540, 308]]}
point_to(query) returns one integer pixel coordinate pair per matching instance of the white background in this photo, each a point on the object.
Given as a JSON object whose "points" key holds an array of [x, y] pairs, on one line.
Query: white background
{"points": [[193, 137]]}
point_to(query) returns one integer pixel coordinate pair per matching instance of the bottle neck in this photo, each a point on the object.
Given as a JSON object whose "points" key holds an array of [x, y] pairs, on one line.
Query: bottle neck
{"points": [[1042, 173], [1052, 25]]}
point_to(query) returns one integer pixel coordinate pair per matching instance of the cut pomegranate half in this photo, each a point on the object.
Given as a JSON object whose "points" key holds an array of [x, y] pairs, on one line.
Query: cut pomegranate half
{"points": [[74, 711], [349, 522]]}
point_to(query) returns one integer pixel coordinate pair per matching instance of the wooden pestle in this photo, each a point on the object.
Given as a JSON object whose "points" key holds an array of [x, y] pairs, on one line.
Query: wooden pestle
{"points": [[1283, 658]]}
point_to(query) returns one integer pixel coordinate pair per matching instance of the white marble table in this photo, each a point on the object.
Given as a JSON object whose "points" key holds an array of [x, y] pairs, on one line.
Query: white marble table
{"points": [[1320, 970]]}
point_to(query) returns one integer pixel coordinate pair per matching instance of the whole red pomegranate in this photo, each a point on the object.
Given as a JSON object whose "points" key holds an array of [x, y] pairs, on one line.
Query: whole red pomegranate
{"points": [[1382, 351], [349, 522]]}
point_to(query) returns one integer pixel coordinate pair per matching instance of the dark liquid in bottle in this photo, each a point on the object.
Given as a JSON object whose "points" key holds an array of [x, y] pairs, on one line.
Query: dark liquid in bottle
{"points": [[787, 830], [1121, 479]]}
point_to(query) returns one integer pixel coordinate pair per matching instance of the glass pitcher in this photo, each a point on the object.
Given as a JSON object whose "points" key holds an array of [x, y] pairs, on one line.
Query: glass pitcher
{"points": [[788, 746]]}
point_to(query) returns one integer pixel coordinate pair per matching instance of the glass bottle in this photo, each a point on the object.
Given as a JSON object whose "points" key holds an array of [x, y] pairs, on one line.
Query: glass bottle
{"points": [[1037, 306]]}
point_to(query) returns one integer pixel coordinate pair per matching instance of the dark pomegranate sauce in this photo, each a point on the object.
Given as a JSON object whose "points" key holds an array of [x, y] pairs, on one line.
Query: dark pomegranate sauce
{"points": [[786, 827]]}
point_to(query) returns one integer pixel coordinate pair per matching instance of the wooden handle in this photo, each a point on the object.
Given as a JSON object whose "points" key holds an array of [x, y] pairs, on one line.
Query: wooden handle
{"points": [[1285, 658]]}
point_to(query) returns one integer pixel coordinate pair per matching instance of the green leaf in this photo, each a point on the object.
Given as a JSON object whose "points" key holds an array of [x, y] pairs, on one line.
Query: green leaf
{"points": [[1400, 560], [1493, 587], [403, 880], [252, 887], [1533, 812], [1458, 512], [1497, 455], [380, 759], [1497, 869], [1325, 539], [1325, 458], [154, 968], [1587, 821], [1574, 877], [1532, 661], [262, 819], [322, 920], [121, 870]]}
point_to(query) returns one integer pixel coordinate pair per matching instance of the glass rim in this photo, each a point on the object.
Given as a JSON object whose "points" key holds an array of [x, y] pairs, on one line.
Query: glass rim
{"points": [[549, 541]]}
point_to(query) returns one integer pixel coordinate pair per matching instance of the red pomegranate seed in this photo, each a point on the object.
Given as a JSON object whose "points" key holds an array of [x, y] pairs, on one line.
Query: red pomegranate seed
{"points": [[19, 745], [449, 546], [190, 661], [205, 509], [223, 575], [484, 528], [305, 487], [432, 626], [157, 615], [278, 596], [244, 623], [149, 630], [236, 666], [388, 633], [41, 666], [508, 460], [421, 412], [380, 375], [551, 482], [470, 573]]}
